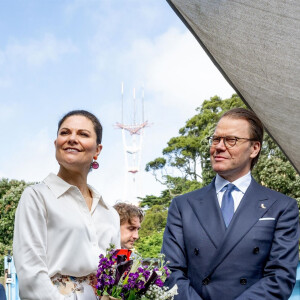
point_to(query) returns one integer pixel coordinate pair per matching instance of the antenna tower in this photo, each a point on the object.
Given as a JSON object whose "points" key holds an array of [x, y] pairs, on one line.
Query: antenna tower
{"points": [[132, 135]]}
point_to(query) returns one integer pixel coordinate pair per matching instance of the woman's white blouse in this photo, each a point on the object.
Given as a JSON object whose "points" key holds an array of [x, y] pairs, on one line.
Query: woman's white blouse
{"points": [[56, 233]]}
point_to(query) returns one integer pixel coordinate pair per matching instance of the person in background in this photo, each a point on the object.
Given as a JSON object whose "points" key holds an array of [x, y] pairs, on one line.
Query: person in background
{"points": [[2, 292], [62, 224], [233, 239], [131, 218]]}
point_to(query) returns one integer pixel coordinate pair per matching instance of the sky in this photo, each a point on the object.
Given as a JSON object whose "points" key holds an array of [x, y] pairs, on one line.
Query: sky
{"points": [[61, 55]]}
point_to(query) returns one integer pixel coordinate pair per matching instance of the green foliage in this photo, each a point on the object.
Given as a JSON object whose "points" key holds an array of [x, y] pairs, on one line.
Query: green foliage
{"points": [[273, 170], [164, 199], [151, 232], [150, 246], [4, 250], [10, 193], [156, 164], [154, 221]]}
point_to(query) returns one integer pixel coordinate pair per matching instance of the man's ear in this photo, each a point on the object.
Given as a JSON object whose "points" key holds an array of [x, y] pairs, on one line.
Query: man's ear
{"points": [[255, 149]]}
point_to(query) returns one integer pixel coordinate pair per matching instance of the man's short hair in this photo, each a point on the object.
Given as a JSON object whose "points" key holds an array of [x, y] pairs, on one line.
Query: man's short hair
{"points": [[128, 211], [256, 126]]}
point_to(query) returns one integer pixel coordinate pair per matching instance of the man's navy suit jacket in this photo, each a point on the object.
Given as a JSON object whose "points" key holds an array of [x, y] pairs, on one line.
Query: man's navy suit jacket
{"points": [[254, 258]]}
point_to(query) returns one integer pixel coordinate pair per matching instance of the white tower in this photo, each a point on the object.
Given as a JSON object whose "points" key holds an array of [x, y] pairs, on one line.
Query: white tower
{"points": [[132, 135]]}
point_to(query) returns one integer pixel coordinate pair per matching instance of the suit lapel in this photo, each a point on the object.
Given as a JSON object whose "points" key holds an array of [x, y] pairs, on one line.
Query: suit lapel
{"points": [[205, 206], [252, 207]]}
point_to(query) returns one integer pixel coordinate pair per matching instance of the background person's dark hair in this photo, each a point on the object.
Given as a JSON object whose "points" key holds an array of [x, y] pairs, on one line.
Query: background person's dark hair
{"points": [[90, 116], [128, 211], [256, 126]]}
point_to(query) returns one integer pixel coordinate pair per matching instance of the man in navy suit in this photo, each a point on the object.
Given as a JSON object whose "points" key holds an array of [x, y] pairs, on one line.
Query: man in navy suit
{"points": [[233, 239]]}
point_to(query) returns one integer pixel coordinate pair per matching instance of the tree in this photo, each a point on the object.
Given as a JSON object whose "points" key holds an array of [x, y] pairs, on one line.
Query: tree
{"points": [[273, 170], [154, 221], [151, 232], [164, 199], [149, 246], [10, 193]]}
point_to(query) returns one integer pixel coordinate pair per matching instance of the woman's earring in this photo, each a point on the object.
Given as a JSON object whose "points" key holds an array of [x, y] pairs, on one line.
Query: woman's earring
{"points": [[94, 164]]}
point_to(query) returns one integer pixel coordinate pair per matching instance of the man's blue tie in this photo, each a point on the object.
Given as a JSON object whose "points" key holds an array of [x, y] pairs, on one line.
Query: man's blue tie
{"points": [[227, 205]]}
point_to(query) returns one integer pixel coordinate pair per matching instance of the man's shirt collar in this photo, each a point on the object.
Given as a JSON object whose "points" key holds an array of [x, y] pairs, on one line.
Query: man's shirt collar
{"points": [[241, 183]]}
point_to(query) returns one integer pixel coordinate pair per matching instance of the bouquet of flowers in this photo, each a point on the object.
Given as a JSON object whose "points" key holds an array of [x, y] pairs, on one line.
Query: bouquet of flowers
{"points": [[121, 278]]}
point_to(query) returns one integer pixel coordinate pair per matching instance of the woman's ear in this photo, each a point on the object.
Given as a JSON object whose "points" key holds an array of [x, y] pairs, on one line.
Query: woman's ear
{"points": [[99, 148]]}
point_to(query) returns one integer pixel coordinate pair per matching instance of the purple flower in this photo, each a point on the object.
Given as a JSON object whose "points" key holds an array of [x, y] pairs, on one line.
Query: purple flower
{"points": [[167, 271], [146, 274], [140, 284], [114, 277], [150, 281], [132, 277], [159, 282]]}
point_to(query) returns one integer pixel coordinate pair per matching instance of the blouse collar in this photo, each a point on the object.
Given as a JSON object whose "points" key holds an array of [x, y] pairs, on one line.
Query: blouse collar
{"points": [[58, 186]]}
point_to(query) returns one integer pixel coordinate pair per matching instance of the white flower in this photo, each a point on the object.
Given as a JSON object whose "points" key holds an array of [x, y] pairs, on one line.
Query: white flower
{"points": [[157, 293], [173, 291]]}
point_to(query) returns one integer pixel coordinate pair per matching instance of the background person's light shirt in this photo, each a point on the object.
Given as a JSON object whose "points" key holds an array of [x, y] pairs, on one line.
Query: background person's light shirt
{"points": [[55, 233], [241, 183]]}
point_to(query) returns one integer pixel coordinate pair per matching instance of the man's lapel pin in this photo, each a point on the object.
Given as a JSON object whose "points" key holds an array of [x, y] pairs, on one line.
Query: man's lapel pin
{"points": [[262, 206]]}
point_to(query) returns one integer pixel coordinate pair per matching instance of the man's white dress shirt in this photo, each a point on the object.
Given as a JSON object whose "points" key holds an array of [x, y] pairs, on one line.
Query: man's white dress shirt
{"points": [[56, 233], [241, 183]]}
